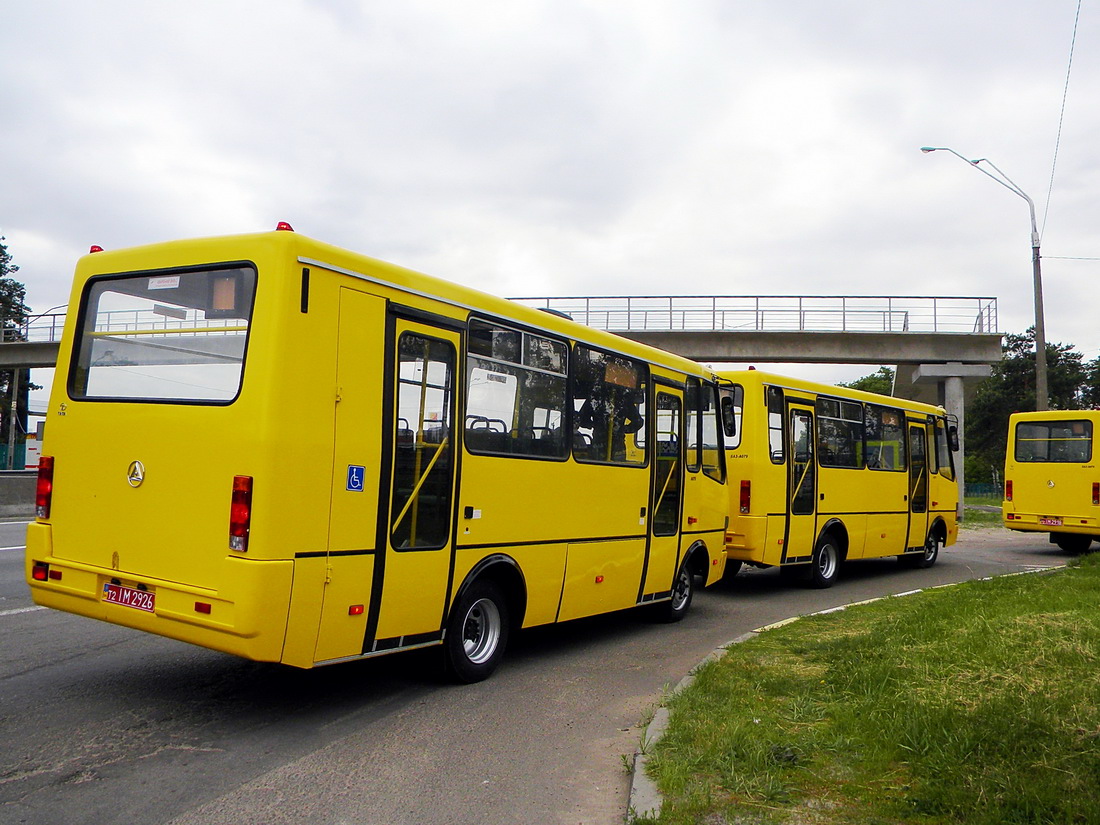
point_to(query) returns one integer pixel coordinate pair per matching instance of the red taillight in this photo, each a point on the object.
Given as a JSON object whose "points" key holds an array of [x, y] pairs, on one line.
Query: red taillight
{"points": [[40, 572], [43, 493], [283, 226], [1096, 492], [240, 513], [1008, 490], [746, 495]]}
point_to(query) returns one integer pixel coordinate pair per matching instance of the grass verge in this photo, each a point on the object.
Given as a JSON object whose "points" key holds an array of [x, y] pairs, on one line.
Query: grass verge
{"points": [[981, 518], [977, 703]]}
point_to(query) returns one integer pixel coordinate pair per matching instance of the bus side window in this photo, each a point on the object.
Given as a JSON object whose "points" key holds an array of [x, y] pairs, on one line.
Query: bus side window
{"points": [[885, 438], [608, 407], [714, 458], [693, 422], [775, 425], [839, 433], [733, 401], [515, 393]]}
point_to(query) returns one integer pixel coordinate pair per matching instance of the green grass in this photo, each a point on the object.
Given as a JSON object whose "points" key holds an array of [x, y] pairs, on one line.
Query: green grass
{"points": [[976, 704], [993, 501], [981, 518]]}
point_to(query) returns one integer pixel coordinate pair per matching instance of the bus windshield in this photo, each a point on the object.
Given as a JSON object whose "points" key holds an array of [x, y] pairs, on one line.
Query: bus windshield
{"points": [[164, 336]]}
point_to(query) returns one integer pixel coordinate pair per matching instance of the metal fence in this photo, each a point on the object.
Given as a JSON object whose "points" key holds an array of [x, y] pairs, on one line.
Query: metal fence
{"points": [[778, 313]]}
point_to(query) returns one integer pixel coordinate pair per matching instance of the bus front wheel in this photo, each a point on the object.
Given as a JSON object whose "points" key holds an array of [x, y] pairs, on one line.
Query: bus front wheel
{"points": [[682, 591], [825, 563], [477, 633], [926, 559]]}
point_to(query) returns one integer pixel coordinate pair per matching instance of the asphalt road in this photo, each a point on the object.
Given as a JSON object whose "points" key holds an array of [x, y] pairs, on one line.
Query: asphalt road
{"points": [[100, 724]]}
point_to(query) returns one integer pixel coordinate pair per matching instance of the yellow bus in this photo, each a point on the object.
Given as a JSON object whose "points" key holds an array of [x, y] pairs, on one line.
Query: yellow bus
{"points": [[821, 474], [1052, 480], [283, 450]]}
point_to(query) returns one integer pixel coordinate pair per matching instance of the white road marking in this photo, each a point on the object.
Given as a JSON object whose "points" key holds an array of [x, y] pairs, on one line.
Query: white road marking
{"points": [[20, 610]]}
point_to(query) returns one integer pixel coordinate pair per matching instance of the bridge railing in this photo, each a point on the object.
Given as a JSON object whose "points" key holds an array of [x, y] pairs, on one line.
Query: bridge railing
{"points": [[710, 313], [48, 328], [40, 329], [778, 313]]}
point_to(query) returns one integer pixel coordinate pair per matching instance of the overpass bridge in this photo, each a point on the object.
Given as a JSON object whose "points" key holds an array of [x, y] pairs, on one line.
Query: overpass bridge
{"points": [[941, 347], [34, 344], [928, 339]]}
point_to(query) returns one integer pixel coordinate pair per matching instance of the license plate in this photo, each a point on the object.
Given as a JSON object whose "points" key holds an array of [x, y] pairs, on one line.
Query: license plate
{"points": [[130, 597], [1051, 522]]}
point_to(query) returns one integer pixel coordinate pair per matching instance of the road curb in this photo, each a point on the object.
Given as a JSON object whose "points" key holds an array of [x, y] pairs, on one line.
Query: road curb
{"points": [[645, 798]]}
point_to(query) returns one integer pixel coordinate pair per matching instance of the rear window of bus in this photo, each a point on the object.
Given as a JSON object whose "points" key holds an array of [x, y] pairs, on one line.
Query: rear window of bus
{"points": [[177, 335], [1066, 442]]}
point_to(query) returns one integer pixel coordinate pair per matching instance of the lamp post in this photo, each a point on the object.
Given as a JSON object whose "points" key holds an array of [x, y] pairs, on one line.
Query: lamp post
{"points": [[1041, 396]]}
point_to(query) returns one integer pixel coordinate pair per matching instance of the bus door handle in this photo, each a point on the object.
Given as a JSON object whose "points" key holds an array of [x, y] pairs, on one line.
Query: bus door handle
{"points": [[642, 513]]}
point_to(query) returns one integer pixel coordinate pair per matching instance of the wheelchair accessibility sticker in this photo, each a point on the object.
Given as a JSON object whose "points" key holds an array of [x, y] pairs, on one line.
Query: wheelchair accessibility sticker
{"points": [[356, 474]]}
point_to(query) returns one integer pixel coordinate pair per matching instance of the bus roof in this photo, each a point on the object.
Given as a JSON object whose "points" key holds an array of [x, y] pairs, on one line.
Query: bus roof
{"points": [[787, 382], [311, 252]]}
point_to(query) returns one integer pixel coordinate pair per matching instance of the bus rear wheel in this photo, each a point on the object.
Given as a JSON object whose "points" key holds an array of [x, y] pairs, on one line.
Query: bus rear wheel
{"points": [[1072, 542], [477, 633], [826, 562]]}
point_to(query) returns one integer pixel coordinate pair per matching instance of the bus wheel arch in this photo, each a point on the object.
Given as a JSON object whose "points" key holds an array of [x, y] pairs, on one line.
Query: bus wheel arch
{"points": [[696, 564], [698, 561], [936, 538], [487, 609]]}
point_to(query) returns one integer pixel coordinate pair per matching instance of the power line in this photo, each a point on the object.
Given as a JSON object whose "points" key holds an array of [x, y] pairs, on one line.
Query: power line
{"points": [[1061, 116]]}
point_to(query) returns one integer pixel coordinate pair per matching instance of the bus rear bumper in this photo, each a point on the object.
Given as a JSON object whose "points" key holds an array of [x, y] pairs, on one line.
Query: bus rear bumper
{"points": [[216, 619], [1034, 523]]}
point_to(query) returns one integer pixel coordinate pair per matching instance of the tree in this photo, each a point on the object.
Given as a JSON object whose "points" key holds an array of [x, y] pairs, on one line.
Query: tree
{"points": [[1090, 398], [1011, 388], [13, 317], [880, 381]]}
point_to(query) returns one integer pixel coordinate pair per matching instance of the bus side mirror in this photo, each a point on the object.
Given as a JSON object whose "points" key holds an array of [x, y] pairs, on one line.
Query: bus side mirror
{"points": [[729, 420], [953, 438]]}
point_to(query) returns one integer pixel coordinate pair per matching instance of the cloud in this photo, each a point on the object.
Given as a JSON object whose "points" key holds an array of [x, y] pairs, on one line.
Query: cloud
{"points": [[566, 147]]}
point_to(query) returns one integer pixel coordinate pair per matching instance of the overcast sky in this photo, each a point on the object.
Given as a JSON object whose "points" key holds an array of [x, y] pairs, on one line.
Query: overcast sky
{"points": [[624, 147]]}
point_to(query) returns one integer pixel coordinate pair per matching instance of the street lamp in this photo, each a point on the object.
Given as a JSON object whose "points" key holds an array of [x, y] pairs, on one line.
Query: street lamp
{"points": [[1041, 395]]}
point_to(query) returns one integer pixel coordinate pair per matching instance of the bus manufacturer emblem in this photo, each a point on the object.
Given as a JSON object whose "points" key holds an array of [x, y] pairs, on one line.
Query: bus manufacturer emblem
{"points": [[1050, 484], [135, 474]]}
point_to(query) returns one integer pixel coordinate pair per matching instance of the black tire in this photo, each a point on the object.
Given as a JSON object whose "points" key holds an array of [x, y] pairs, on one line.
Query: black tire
{"points": [[826, 562], [922, 561], [1072, 542], [683, 588], [733, 567], [477, 633]]}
